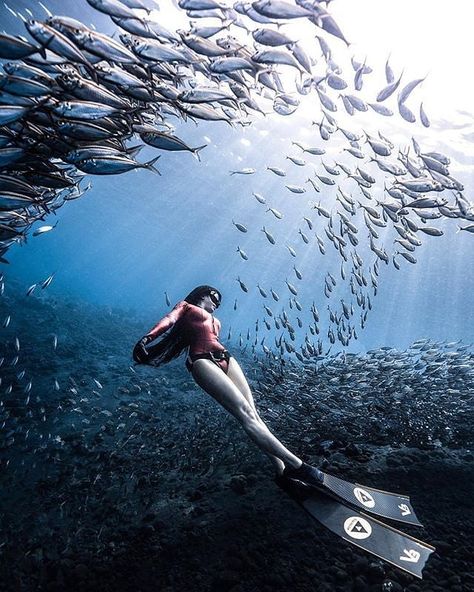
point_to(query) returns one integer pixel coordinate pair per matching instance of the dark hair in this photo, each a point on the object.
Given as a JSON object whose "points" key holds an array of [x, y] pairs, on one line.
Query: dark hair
{"points": [[174, 342]]}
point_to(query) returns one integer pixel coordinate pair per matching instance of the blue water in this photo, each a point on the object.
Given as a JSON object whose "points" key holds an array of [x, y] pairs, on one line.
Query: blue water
{"points": [[134, 236]]}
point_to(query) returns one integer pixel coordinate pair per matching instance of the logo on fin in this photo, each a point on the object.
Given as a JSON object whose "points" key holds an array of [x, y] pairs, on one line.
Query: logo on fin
{"points": [[364, 497], [357, 528], [404, 509], [411, 556]]}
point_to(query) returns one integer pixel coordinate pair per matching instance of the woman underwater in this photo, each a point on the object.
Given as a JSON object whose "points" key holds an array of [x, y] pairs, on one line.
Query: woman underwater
{"points": [[218, 373]]}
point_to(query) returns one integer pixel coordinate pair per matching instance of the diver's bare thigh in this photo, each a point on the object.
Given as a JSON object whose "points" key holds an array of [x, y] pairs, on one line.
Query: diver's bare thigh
{"points": [[238, 378], [217, 384]]}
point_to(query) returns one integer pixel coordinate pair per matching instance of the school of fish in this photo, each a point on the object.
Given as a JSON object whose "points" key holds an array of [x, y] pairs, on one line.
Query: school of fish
{"points": [[75, 102]]}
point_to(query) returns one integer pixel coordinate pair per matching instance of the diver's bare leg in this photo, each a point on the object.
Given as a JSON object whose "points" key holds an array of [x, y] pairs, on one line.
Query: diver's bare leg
{"points": [[238, 378], [216, 383]]}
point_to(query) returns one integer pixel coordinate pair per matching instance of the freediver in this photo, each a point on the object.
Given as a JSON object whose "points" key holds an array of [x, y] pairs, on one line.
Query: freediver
{"points": [[191, 324]]}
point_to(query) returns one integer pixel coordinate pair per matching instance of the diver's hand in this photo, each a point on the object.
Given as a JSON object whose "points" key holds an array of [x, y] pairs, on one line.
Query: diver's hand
{"points": [[140, 354]]}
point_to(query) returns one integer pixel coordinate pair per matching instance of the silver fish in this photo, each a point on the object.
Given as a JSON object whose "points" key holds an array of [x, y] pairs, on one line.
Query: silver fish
{"points": [[406, 113], [389, 90], [277, 171], [243, 254], [406, 90], [278, 9], [268, 235], [260, 198], [275, 56], [239, 226], [246, 171], [242, 285], [295, 188], [55, 41], [112, 8], [272, 38], [381, 109], [113, 165], [276, 213], [423, 117], [43, 229]]}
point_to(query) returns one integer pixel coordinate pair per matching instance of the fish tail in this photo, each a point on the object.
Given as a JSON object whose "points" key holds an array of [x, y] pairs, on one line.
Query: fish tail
{"points": [[134, 150], [459, 229], [150, 165], [195, 151]]}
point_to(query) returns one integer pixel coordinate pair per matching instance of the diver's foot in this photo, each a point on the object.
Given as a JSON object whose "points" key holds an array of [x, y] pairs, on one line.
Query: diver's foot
{"points": [[279, 467], [306, 473]]}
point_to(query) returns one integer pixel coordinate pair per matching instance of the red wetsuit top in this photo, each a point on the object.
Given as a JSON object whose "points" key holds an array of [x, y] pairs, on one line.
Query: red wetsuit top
{"points": [[201, 326]]}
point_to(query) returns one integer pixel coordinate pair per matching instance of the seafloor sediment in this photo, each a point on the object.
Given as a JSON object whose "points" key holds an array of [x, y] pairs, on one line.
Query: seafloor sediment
{"points": [[120, 478]]}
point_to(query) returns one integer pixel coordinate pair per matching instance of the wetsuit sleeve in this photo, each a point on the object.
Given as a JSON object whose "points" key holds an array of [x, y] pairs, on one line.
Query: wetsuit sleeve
{"points": [[168, 321]]}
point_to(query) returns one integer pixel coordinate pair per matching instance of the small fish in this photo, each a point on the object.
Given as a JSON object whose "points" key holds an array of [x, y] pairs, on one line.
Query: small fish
{"points": [[326, 180], [239, 226], [295, 188], [274, 295], [55, 342], [313, 183], [6, 322], [235, 306], [242, 254], [277, 171], [262, 291], [97, 383], [260, 198], [167, 300], [291, 288], [292, 251], [423, 117], [314, 151], [406, 113], [406, 90], [381, 109], [47, 281], [407, 256], [247, 171], [321, 211], [242, 285], [30, 289], [297, 273], [388, 90], [43, 229], [303, 236], [269, 236], [297, 161], [276, 213]]}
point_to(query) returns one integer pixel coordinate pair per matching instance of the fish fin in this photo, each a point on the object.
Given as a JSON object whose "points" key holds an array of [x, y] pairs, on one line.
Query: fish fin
{"points": [[195, 151], [91, 71], [149, 165], [134, 150]]}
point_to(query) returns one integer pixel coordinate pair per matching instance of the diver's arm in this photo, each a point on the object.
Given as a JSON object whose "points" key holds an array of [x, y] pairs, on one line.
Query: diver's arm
{"points": [[140, 353], [167, 321]]}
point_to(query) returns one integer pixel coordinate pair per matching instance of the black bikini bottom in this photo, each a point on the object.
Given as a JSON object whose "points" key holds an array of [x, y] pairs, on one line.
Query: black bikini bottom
{"points": [[220, 358]]}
